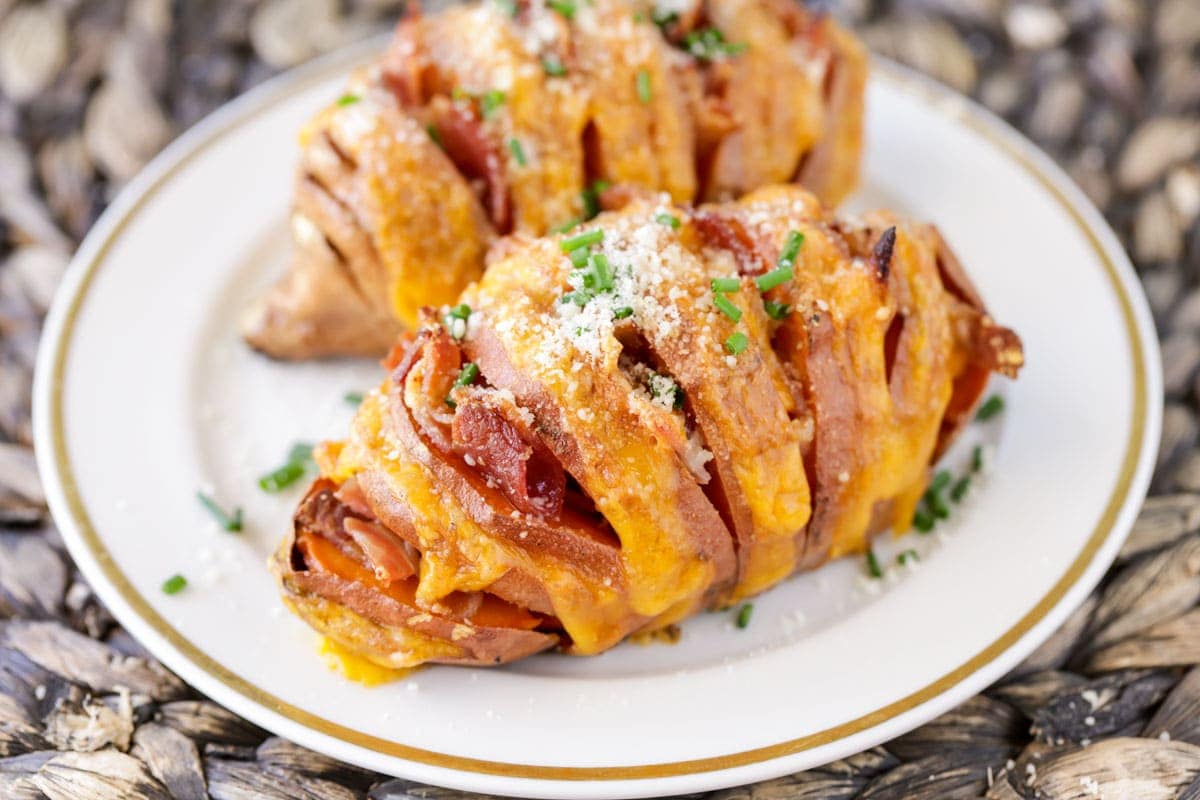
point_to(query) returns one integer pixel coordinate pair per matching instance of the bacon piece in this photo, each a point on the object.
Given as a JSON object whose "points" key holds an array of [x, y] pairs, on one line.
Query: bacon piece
{"points": [[388, 554], [727, 233], [428, 372], [477, 156], [403, 65], [510, 454]]}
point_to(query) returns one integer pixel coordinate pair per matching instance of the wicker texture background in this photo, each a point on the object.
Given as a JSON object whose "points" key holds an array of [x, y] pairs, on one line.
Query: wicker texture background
{"points": [[1109, 707]]}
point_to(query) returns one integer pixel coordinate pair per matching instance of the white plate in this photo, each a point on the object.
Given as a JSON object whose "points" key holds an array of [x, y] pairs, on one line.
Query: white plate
{"points": [[144, 394]]}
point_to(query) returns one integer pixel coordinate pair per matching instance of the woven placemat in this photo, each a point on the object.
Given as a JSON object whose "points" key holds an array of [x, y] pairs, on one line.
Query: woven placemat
{"points": [[1108, 707]]}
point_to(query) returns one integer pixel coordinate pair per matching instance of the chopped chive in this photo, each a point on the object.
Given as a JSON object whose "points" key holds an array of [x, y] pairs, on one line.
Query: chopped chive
{"points": [[553, 66], [736, 343], [603, 272], [580, 297], [301, 453], [776, 310], [174, 584], [977, 458], [467, 374], [623, 312], [727, 308], [432, 130], [937, 505], [873, 567], [580, 258], [231, 523], [959, 490], [777, 276], [680, 398], [923, 521], [669, 220], [491, 101], [591, 198], [348, 100], [663, 18], [791, 249], [940, 481], [709, 44], [726, 284], [509, 7], [450, 402], [908, 555], [566, 226], [643, 85], [743, 615], [518, 152], [993, 406], [564, 7], [583, 240], [460, 311], [353, 398], [282, 478]]}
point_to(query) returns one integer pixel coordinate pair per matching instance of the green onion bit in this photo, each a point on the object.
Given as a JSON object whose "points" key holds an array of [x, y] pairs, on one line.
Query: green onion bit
{"points": [[776, 310], [643, 85], [228, 522], [777, 276], [873, 565], [583, 240], [518, 152], [174, 584], [991, 407], [736, 343], [726, 307]]}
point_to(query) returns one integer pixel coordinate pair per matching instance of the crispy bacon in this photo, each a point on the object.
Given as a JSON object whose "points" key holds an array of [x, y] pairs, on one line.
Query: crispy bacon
{"points": [[728, 234], [511, 454], [477, 156], [428, 370], [403, 66]]}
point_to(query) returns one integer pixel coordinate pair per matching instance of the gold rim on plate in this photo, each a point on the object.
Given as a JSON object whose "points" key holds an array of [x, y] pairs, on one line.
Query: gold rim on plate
{"points": [[79, 521]]}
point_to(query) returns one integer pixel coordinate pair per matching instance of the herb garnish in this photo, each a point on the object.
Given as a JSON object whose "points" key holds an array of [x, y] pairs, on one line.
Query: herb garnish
{"points": [[299, 457], [564, 7], [726, 307], [708, 44], [518, 152], [643, 85], [229, 522], [873, 567], [991, 407], [775, 310], [583, 240], [174, 584]]}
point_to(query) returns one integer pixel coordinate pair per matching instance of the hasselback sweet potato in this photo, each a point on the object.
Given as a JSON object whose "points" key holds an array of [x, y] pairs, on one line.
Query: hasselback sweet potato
{"points": [[490, 118], [664, 410]]}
